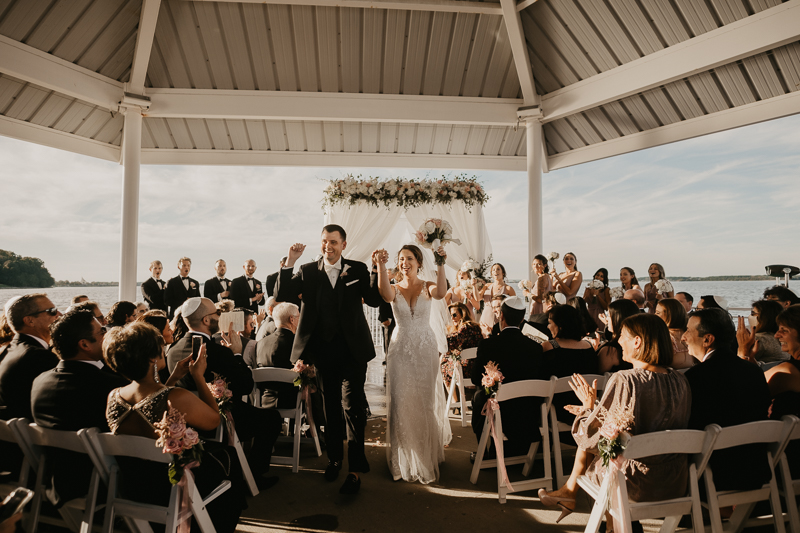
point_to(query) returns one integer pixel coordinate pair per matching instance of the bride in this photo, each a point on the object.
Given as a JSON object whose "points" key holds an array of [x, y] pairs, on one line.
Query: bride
{"points": [[417, 429]]}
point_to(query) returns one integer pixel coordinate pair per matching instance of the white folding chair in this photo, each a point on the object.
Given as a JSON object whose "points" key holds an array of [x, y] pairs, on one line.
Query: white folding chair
{"points": [[698, 444], [458, 381], [78, 514], [7, 434], [284, 375], [776, 434], [105, 447], [531, 388], [562, 385], [789, 487]]}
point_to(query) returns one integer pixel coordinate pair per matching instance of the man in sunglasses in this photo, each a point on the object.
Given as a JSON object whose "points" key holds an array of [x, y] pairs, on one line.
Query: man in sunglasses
{"points": [[25, 358]]}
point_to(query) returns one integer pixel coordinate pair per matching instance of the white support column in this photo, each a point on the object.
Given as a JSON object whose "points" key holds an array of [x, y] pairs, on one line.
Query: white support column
{"points": [[533, 131], [129, 235]]}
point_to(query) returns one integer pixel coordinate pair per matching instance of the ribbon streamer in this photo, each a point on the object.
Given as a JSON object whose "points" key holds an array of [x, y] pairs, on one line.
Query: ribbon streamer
{"points": [[306, 395], [491, 406], [617, 464], [184, 510], [231, 428]]}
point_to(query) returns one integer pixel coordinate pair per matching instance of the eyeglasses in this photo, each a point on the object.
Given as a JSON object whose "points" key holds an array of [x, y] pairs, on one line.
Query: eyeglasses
{"points": [[53, 311]]}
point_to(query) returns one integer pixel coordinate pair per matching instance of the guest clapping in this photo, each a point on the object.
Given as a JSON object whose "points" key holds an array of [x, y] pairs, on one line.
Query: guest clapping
{"points": [[651, 293], [597, 300], [568, 282], [673, 314], [609, 355], [759, 344]]}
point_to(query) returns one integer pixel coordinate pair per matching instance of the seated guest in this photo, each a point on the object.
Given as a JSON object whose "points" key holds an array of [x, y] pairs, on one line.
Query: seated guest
{"points": [[72, 396], [728, 391], [783, 295], [518, 358], [94, 308], [712, 302], [539, 320], [660, 400], [673, 314], [141, 307], [246, 336], [685, 299], [264, 425], [567, 353], [6, 334], [267, 326], [276, 351], [597, 300], [587, 321], [27, 356], [760, 345], [158, 319], [133, 351], [121, 313], [462, 333], [178, 326], [637, 296], [78, 299], [784, 379], [609, 354]]}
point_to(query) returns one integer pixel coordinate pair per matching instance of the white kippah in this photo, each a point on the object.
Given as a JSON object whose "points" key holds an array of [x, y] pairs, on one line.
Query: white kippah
{"points": [[515, 302], [560, 298], [721, 301], [190, 306]]}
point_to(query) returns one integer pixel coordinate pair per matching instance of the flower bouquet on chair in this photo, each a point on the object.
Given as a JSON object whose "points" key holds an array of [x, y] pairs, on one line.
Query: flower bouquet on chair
{"points": [[434, 233], [182, 442], [305, 376], [491, 379], [221, 393]]}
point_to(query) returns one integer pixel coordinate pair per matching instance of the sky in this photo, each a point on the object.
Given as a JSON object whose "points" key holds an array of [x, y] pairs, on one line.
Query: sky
{"points": [[722, 204]]}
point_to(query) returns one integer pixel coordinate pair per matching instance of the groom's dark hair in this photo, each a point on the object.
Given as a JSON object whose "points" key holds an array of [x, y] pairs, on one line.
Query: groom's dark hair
{"points": [[330, 228]]}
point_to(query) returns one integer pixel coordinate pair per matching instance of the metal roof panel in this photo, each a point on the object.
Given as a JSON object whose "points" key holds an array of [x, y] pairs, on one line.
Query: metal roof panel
{"points": [[305, 47], [257, 133], [238, 134], [199, 132]]}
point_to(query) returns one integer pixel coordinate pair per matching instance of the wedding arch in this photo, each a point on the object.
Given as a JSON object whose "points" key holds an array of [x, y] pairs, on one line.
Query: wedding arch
{"points": [[372, 209]]}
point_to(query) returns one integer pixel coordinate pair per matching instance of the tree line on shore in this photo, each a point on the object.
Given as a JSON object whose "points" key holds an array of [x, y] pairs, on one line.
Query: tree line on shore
{"points": [[19, 271]]}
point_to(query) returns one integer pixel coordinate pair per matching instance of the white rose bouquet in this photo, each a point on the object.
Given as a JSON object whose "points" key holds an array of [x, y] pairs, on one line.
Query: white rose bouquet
{"points": [[617, 293], [663, 287], [434, 233], [552, 256], [596, 284]]}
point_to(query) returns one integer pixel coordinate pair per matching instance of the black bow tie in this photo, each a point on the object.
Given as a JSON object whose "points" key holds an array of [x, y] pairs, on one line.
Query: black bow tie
{"points": [[187, 277], [249, 279]]}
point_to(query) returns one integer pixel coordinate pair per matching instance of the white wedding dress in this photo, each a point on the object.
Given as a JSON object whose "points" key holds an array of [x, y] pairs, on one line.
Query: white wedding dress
{"points": [[417, 428]]}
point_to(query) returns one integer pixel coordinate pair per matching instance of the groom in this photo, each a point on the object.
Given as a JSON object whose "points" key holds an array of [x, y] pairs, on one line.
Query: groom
{"points": [[334, 336]]}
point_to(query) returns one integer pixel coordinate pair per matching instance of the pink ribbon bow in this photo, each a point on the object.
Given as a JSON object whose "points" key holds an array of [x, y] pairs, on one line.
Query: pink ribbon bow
{"points": [[184, 510], [491, 406]]}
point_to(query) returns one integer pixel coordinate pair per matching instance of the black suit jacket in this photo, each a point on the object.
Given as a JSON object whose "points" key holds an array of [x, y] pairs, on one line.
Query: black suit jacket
{"points": [[354, 285], [70, 397], [276, 351], [518, 358], [24, 361], [220, 359], [241, 293], [153, 294], [175, 293], [728, 391], [269, 284], [212, 287]]}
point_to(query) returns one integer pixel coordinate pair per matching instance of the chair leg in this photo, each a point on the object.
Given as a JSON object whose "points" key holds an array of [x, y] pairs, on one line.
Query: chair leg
{"points": [[789, 495], [248, 474], [462, 401], [111, 495], [91, 503], [713, 502], [476, 468], [560, 477], [199, 509], [599, 508], [670, 524], [526, 469], [775, 501], [36, 504], [298, 420]]}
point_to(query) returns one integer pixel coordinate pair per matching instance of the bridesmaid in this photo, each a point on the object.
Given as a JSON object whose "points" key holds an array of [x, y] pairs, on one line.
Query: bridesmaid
{"points": [[568, 282], [490, 290], [541, 285], [597, 300], [461, 291], [628, 278], [651, 294]]}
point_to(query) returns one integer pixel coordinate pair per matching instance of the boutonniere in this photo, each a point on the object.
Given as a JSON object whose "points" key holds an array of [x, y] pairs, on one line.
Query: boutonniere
{"points": [[191, 283], [258, 286], [344, 271]]}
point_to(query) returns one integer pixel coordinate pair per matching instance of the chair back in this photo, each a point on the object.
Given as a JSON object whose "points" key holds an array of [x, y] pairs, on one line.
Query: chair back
{"points": [[469, 353], [686, 441], [52, 438], [281, 375], [762, 431], [562, 384], [145, 448], [529, 387], [6, 433]]}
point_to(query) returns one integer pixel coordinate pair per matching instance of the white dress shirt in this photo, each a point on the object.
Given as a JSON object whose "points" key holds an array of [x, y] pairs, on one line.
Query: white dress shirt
{"points": [[333, 271]]}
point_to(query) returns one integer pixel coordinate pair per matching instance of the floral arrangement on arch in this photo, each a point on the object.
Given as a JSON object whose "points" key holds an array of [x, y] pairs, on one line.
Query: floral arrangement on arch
{"points": [[405, 192]]}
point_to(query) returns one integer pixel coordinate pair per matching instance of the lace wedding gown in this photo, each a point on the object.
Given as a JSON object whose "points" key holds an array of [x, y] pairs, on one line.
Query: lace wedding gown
{"points": [[417, 427]]}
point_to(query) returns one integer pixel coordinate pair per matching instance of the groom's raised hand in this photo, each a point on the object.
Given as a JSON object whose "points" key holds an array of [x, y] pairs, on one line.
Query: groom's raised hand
{"points": [[295, 251]]}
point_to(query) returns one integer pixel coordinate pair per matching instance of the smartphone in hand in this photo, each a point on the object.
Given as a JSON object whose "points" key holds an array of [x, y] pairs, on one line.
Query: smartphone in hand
{"points": [[197, 342], [14, 503]]}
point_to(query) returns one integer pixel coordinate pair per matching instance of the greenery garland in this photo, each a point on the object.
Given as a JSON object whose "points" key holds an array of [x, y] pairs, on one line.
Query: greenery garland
{"points": [[405, 192]]}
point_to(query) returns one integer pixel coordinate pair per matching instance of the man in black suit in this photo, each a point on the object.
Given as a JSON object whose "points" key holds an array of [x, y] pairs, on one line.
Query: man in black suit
{"points": [[264, 425], [27, 356], [181, 287], [153, 287], [276, 351], [247, 291], [518, 358], [269, 284], [73, 396], [333, 334], [728, 391], [217, 288]]}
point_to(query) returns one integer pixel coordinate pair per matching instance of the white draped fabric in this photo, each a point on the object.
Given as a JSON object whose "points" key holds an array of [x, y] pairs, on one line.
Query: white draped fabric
{"points": [[368, 227]]}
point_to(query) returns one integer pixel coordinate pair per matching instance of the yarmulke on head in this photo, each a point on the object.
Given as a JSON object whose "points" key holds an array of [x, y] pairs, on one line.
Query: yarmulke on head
{"points": [[197, 306], [513, 310], [515, 302]]}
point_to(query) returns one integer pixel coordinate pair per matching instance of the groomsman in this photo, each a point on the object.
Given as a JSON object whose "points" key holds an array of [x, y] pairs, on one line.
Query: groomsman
{"points": [[153, 287], [246, 290], [217, 288], [181, 287], [273, 278]]}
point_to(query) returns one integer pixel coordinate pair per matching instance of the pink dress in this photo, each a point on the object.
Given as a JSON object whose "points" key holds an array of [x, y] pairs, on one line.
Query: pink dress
{"points": [[547, 286], [566, 281], [487, 316]]}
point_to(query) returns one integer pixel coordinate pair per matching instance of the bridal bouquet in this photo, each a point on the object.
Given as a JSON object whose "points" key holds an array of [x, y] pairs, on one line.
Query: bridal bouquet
{"points": [[220, 391], [617, 293], [492, 379], [525, 285], [663, 287], [596, 284], [434, 233], [305, 375], [181, 441], [552, 256]]}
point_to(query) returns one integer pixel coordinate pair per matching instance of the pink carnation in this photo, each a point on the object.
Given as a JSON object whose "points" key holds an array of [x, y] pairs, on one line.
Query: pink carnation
{"points": [[190, 438], [487, 381], [228, 393], [176, 429], [173, 445]]}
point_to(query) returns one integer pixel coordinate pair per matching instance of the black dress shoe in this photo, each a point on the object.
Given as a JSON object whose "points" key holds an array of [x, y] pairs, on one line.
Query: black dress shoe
{"points": [[351, 485], [332, 472], [266, 482]]}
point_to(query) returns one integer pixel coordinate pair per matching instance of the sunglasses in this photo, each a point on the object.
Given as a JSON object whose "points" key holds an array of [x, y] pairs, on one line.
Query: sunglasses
{"points": [[53, 311], [456, 315]]}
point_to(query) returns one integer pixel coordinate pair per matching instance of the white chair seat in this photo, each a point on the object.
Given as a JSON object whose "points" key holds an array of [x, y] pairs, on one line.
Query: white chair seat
{"points": [[458, 381]]}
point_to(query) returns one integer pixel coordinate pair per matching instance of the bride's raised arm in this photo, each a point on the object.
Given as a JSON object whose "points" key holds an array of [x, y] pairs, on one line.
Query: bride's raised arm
{"points": [[380, 257], [438, 290]]}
